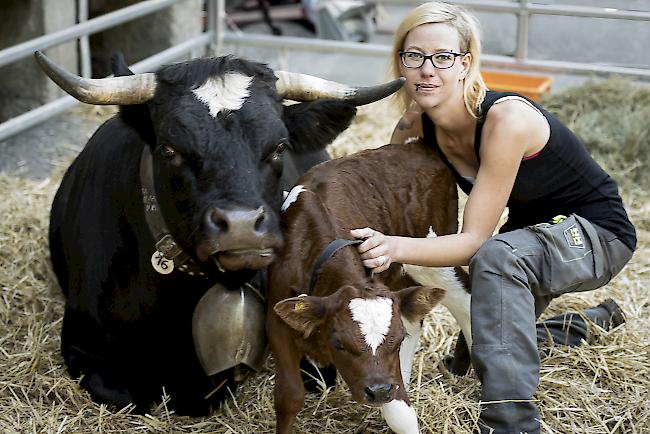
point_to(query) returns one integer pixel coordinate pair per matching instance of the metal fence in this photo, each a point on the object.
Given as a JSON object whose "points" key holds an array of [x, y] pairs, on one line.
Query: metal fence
{"points": [[192, 47], [523, 9], [215, 36]]}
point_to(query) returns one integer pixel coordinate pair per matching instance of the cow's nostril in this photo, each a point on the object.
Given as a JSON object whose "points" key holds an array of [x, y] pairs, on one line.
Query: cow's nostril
{"points": [[379, 392], [220, 219], [259, 219]]}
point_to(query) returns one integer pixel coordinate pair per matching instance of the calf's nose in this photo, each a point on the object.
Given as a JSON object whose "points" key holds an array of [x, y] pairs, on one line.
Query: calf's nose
{"points": [[379, 393]]}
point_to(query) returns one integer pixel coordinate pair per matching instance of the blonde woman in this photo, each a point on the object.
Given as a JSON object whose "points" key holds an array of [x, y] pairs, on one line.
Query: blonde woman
{"points": [[503, 150]]}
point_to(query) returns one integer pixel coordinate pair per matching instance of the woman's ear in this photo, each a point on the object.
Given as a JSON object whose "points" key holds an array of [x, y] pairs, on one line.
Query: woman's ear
{"points": [[466, 61]]}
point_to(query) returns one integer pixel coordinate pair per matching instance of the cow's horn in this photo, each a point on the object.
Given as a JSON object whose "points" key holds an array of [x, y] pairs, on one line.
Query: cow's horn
{"points": [[133, 89], [303, 87]]}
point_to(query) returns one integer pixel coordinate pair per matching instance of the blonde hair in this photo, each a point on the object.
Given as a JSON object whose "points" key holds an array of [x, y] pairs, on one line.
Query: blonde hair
{"points": [[467, 27]]}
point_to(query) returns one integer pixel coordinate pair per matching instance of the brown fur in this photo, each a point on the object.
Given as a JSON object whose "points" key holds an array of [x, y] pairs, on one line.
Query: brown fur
{"points": [[396, 189]]}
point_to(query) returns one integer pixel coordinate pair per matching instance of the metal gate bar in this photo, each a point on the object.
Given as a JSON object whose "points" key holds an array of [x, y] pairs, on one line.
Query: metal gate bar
{"points": [[103, 22], [537, 8], [331, 46]]}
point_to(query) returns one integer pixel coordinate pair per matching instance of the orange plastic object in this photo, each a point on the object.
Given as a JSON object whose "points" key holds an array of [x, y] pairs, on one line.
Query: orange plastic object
{"points": [[531, 86]]}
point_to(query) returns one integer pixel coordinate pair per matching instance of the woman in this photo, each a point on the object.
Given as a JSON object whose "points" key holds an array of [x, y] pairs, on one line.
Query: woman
{"points": [[503, 151]]}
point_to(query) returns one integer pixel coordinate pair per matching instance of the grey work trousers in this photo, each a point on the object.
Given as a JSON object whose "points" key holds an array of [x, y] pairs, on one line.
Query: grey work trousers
{"points": [[514, 276]]}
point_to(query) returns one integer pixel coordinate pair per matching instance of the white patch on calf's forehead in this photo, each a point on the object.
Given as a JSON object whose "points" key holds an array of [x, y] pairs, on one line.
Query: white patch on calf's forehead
{"points": [[226, 92], [374, 317], [292, 197]]}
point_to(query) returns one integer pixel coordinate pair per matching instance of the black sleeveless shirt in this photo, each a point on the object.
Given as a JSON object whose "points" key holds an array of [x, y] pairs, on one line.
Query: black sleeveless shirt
{"points": [[561, 179]]}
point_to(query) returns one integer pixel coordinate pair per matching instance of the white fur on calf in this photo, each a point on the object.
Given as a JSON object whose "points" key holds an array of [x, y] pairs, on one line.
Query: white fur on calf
{"points": [[292, 197], [457, 300], [374, 317], [400, 417], [408, 348]]}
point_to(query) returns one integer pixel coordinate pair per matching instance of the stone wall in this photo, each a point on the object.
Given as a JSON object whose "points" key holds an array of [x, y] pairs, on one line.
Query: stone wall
{"points": [[22, 85], [145, 36]]}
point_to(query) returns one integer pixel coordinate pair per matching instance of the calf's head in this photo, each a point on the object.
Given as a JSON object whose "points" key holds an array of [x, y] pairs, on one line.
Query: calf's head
{"points": [[217, 129], [360, 332]]}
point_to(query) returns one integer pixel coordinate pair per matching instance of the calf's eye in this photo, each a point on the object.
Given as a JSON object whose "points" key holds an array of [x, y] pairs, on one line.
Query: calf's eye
{"points": [[337, 344]]}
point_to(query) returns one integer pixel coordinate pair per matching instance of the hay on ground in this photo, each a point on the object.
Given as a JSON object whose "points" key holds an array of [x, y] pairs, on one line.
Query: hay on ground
{"points": [[602, 387]]}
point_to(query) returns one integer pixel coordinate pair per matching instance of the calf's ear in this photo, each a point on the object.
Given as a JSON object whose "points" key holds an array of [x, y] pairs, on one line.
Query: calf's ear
{"points": [[303, 314], [315, 124], [417, 301]]}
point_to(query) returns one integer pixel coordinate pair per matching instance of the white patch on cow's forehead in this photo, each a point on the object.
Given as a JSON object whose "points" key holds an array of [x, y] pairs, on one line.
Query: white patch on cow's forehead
{"points": [[226, 92], [374, 317], [292, 197]]}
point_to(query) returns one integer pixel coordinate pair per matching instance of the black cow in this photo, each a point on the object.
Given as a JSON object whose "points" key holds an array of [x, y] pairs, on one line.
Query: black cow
{"points": [[177, 193]]}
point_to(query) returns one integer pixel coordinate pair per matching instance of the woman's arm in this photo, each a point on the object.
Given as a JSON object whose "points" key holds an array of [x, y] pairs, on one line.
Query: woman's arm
{"points": [[510, 130]]}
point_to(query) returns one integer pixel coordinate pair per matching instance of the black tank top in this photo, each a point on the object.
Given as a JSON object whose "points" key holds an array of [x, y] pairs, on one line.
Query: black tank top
{"points": [[561, 179]]}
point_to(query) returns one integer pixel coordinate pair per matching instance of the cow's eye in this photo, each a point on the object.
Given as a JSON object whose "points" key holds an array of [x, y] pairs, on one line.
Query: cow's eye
{"points": [[167, 151], [275, 158], [277, 152]]}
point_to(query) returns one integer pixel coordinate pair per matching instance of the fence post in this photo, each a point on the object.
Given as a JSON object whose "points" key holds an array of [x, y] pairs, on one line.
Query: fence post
{"points": [[216, 12], [522, 31], [84, 46]]}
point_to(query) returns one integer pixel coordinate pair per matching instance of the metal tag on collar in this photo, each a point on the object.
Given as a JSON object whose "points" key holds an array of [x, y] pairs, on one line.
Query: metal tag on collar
{"points": [[168, 247]]}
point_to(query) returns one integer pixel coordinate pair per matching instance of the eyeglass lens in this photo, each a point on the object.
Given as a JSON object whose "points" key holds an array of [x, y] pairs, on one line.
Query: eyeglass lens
{"points": [[442, 60]]}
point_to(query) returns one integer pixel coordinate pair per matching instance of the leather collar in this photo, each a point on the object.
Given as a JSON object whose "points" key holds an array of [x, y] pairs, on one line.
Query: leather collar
{"points": [[165, 243], [325, 255]]}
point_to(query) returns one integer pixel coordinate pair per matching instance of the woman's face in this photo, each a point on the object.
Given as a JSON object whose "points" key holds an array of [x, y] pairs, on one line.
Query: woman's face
{"points": [[428, 85]]}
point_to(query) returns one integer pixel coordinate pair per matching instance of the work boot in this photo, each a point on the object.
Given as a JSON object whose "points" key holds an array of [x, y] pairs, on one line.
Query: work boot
{"points": [[568, 329], [572, 328], [607, 315]]}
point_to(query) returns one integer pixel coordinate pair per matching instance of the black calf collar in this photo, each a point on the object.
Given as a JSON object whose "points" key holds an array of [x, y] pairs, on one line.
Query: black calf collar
{"points": [[327, 253], [166, 247]]}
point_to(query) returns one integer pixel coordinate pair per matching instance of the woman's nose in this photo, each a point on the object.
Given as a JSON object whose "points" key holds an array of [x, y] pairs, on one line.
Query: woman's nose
{"points": [[427, 68]]}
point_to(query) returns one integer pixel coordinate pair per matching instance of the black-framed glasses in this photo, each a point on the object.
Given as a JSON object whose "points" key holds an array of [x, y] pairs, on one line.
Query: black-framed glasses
{"points": [[440, 60]]}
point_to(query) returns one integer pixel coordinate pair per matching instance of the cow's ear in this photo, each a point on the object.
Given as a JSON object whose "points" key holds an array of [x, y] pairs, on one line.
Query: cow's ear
{"points": [[119, 66], [417, 301], [303, 314], [315, 124], [136, 116]]}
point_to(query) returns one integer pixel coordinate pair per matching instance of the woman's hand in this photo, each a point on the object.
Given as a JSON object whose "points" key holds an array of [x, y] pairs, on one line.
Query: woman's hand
{"points": [[377, 251]]}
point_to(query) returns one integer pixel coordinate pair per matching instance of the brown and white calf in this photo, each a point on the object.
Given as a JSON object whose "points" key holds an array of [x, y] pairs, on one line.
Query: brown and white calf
{"points": [[368, 327]]}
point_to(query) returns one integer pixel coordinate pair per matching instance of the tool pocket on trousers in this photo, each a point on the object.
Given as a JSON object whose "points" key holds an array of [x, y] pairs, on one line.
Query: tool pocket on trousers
{"points": [[572, 254]]}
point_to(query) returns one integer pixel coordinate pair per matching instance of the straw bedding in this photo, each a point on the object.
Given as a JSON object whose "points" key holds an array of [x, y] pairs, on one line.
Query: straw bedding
{"points": [[602, 387]]}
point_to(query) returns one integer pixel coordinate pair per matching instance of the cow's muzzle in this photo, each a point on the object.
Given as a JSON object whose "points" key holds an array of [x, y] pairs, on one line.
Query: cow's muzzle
{"points": [[238, 238]]}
